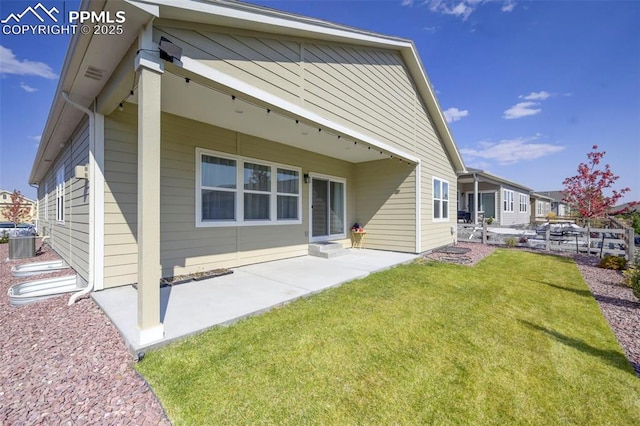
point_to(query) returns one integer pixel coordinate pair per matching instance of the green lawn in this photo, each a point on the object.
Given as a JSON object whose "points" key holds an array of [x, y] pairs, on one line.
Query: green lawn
{"points": [[517, 339]]}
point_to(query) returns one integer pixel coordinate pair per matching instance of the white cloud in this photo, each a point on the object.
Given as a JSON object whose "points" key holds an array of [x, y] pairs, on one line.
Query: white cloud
{"points": [[508, 6], [454, 114], [536, 96], [27, 88], [9, 64], [407, 2], [522, 109], [430, 29], [459, 8], [511, 151]]}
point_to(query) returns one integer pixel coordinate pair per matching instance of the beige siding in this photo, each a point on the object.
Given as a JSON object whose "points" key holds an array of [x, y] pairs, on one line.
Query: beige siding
{"points": [[386, 204], [186, 248], [269, 64], [71, 238]]}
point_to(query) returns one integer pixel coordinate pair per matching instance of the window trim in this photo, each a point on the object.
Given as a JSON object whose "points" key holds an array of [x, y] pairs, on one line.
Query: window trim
{"points": [[240, 191], [440, 200], [507, 198], [524, 202], [60, 195], [46, 201]]}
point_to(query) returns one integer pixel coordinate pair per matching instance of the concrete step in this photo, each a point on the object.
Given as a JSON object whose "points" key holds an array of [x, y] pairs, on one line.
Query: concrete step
{"points": [[326, 250]]}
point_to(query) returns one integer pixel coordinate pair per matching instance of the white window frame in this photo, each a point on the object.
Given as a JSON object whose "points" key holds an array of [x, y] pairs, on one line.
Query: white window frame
{"points": [[507, 201], [60, 195], [330, 236], [444, 217], [539, 208], [240, 191], [46, 201], [524, 203]]}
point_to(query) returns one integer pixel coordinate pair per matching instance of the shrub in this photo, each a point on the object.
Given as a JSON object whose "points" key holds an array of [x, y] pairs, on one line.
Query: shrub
{"points": [[4, 238], [511, 242], [489, 220], [551, 215], [632, 277], [612, 262], [523, 240]]}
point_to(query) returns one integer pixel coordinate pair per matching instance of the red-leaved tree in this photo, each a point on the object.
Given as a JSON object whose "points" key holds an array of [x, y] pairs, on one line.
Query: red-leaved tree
{"points": [[18, 211], [585, 192]]}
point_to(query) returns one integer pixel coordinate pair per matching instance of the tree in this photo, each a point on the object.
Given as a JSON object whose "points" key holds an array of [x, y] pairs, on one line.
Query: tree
{"points": [[584, 192], [18, 211]]}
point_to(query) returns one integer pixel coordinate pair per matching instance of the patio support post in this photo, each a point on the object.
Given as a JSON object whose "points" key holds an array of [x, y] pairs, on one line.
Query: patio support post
{"points": [[150, 68], [475, 198]]}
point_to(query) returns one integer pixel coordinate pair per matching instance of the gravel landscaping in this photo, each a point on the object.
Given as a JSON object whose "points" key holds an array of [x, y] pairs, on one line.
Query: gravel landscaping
{"points": [[65, 365]]}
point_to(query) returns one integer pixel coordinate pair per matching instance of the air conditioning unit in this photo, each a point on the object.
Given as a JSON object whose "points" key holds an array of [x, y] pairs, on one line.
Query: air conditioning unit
{"points": [[22, 247]]}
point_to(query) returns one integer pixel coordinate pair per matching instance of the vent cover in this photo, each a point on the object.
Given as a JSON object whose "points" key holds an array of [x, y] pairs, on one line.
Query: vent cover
{"points": [[93, 73]]}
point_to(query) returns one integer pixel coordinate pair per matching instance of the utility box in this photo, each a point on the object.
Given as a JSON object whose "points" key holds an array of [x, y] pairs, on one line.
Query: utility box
{"points": [[22, 247]]}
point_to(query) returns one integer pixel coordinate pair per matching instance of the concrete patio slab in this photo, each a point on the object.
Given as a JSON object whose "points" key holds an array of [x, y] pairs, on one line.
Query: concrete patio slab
{"points": [[193, 307]]}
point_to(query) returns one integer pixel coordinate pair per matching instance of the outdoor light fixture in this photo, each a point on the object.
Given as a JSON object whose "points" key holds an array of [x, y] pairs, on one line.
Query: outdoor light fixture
{"points": [[306, 178], [169, 51]]}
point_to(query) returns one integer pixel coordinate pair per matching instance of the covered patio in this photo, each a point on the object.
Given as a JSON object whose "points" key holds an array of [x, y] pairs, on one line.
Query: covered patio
{"points": [[193, 307]]}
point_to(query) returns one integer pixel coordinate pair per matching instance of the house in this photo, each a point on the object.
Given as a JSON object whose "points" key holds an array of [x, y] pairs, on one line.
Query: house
{"points": [[558, 206], [217, 134], [506, 202], [540, 207], [5, 201]]}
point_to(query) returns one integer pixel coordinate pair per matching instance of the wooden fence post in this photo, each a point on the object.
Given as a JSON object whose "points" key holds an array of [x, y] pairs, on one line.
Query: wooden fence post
{"points": [[547, 239], [630, 245], [484, 232]]}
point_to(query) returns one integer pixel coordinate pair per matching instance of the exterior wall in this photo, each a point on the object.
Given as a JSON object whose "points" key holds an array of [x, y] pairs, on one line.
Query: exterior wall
{"points": [[539, 209], [516, 217], [366, 89], [269, 64], [186, 248], [385, 204], [70, 239]]}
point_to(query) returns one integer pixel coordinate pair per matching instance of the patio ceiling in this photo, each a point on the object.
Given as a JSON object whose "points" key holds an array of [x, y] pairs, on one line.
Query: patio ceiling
{"points": [[202, 102]]}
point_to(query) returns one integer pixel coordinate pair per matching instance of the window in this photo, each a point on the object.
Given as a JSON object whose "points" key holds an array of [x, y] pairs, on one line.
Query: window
{"points": [[507, 201], [524, 202], [440, 199], [236, 191], [540, 208], [60, 195]]}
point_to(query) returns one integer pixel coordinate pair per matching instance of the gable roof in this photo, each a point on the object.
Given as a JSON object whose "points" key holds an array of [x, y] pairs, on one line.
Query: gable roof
{"points": [[557, 196], [486, 176], [100, 49]]}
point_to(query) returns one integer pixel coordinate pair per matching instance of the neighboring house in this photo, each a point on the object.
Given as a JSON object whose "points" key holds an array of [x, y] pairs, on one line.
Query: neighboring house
{"points": [[507, 202], [540, 207], [252, 134], [558, 205], [5, 201]]}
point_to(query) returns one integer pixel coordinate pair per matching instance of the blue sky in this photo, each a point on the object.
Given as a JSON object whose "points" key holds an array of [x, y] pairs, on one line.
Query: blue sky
{"points": [[528, 87]]}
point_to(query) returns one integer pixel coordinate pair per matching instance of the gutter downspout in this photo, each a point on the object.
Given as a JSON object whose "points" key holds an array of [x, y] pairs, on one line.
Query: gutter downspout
{"points": [[92, 119]]}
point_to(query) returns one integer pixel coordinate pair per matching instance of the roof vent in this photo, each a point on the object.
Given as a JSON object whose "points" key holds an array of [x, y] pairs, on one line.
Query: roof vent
{"points": [[93, 73]]}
